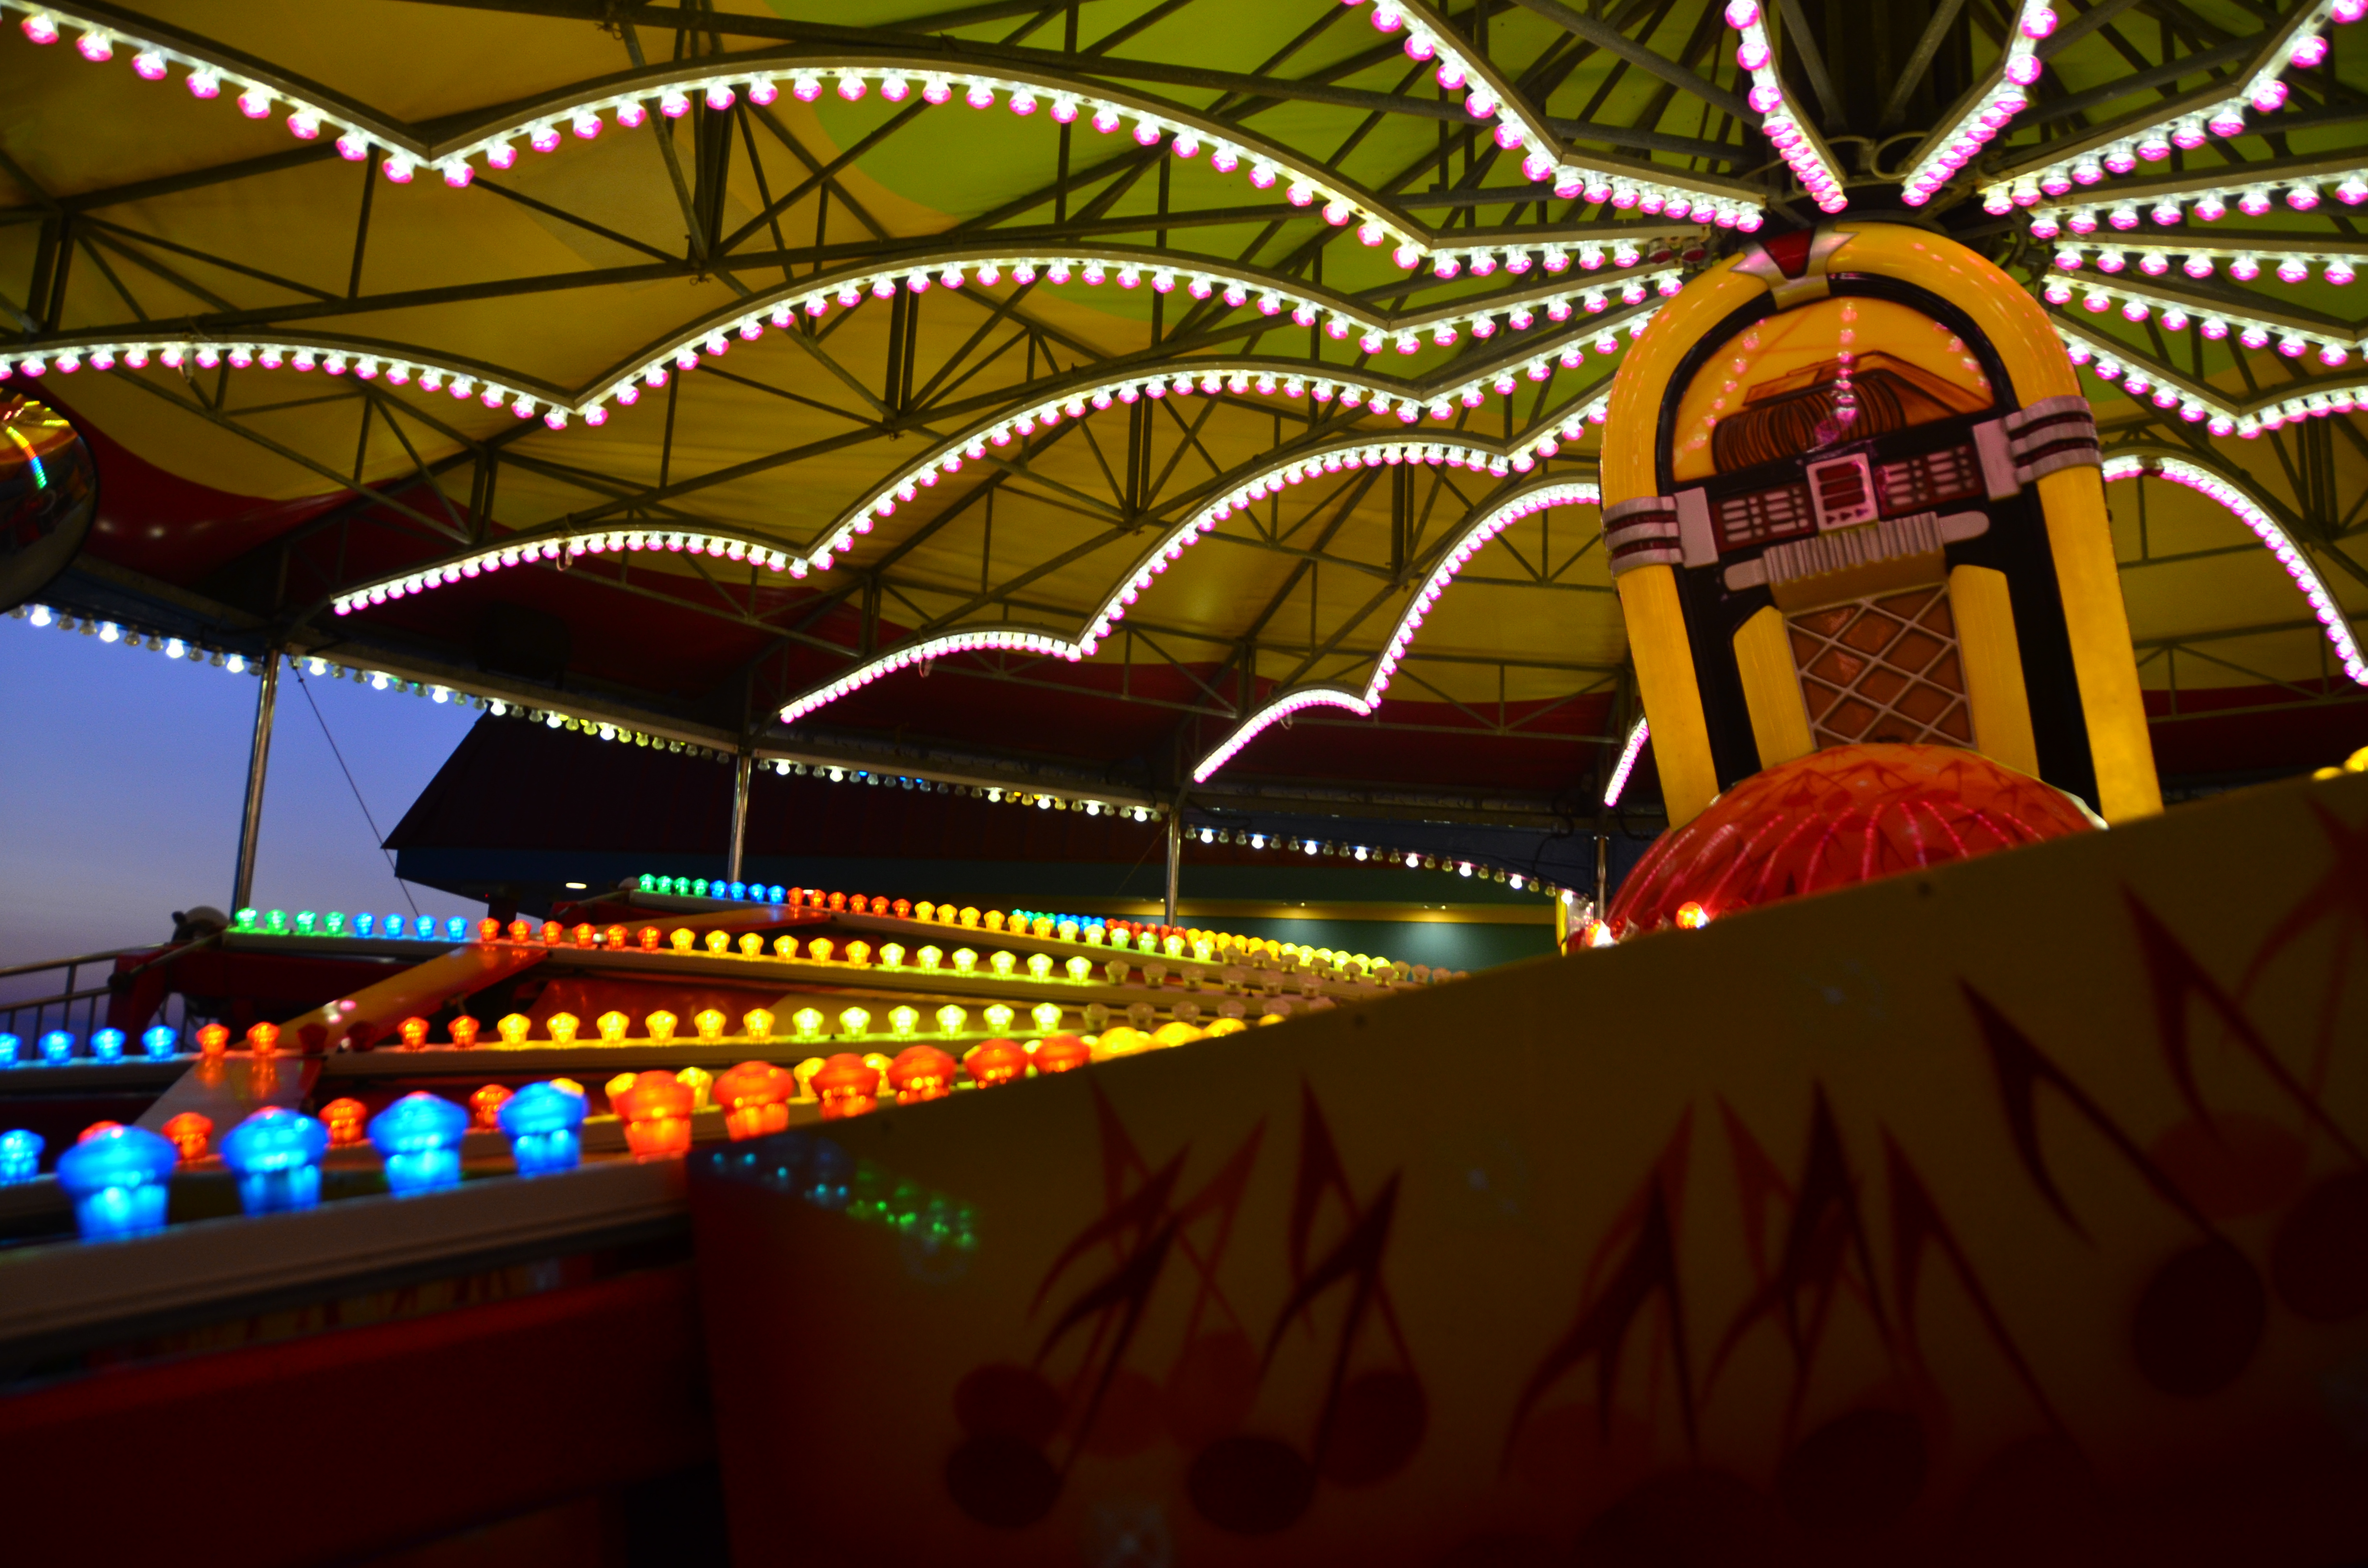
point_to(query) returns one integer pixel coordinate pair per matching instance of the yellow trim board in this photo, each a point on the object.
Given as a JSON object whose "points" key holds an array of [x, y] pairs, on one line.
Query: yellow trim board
{"points": [[1772, 688], [1991, 655]]}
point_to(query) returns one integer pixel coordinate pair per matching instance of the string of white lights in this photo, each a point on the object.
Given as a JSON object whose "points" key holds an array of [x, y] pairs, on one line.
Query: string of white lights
{"points": [[2299, 42], [2293, 337], [1796, 141], [1458, 552], [2289, 257], [2196, 402], [2006, 93], [2265, 527]]}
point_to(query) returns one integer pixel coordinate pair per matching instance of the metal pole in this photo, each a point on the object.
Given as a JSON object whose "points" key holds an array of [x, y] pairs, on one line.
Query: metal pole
{"points": [[258, 756], [1602, 866], [739, 814], [1175, 854]]}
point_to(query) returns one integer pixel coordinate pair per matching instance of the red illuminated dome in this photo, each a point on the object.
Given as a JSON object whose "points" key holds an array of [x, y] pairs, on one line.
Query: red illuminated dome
{"points": [[1834, 819]]}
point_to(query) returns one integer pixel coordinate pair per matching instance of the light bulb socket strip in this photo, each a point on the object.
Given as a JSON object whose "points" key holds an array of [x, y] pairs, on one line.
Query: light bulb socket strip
{"points": [[2265, 527], [1638, 734], [557, 407], [2136, 302], [720, 80], [1484, 526], [1796, 141], [1625, 185], [1345, 388], [1050, 798], [2184, 123], [2255, 190], [65, 355], [2003, 94], [2115, 363], [554, 547], [1344, 454], [2288, 258]]}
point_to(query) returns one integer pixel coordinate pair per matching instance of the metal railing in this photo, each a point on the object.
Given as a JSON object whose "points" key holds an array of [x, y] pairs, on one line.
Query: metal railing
{"points": [[28, 1017]]}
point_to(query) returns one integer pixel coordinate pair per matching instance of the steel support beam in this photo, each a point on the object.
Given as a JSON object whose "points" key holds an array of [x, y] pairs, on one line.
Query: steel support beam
{"points": [[258, 757]]}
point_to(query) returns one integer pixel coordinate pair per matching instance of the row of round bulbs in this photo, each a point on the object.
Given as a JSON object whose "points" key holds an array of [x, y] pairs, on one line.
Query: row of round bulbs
{"points": [[2215, 325], [2209, 206], [2244, 265], [2018, 69]]}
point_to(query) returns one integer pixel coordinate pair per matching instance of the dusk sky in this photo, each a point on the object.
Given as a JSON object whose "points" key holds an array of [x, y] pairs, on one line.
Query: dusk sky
{"points": [[124, 772]]}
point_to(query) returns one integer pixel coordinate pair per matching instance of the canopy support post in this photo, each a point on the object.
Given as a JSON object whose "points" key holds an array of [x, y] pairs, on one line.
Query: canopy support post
{"points": [[740, 772], [1175, 854], [258, 757]]}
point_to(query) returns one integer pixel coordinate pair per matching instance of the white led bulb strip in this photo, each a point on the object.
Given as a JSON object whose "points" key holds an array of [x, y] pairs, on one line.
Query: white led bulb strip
{"points": [[1345, 455], [2217, 322], [736, 548], [2006, 94], [1803, 151], [1345, 387], [1487, 97], [2207, 198], [2266, 528], [2196, 402], [720, 82], [2301, 41], [2288, 259], [1474, 537]]}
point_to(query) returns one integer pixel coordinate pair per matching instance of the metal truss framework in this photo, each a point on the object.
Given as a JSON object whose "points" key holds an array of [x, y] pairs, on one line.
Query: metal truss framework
{"points": [[1665, 100]]}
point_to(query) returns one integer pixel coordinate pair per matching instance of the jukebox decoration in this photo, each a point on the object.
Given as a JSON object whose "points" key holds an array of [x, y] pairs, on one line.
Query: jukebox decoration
{"points": [[1853, 497]]}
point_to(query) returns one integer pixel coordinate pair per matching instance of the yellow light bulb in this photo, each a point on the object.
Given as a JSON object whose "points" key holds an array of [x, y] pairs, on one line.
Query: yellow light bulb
{"points": [[1040, 966], [617, 1086], [1094, 936], [697, 1080], [964, 961], [563, 1027], [804, 1072], [568, 1086], [993, 920], [951, 1018], [1002, 964], [859, 952], [930, 958], [1047, 1016], [903, 1021], [785, 946], [1041, 927], [612, 1027], [661, 1026], [718, 942], [1173, 947], [513, 1028], [708, 1022], [757, 1024], [968, 915], [1066, 930], [854, 1022], [998, 1018], [808, 1023], [925, 910], [891, 955], [1206, 952], [752, 945], [681, 939], [1080, 967], [819, 950]]}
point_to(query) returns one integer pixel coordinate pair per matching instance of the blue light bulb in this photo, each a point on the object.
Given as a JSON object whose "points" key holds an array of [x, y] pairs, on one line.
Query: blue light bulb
{"points": [[365, 924], [739, 890], [774, 894], [20, 1157], [425, 926], [276, 1154], [334, 922], [162, 1041], [420, 1137], [9, 1046], [395, 926], [544, 1124], [456, 928], [120, 1182], [57, 1045], [107, 1045]]}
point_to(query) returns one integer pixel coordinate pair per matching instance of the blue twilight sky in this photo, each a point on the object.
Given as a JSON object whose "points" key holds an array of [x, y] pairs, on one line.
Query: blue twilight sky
{"points": [[124, 770]]}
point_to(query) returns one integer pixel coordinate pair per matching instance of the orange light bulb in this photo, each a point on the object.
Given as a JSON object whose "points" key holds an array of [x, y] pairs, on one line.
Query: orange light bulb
{"points": [[553, 933], [615, 937], [717, 941], [190, 1133], [262, 1038], [345, 1118], [656, 1110], [649, 939], [612, 1027], [584, 935], [1692, 916], [489, 930], [757, 1024], [413, 1032], [661, 1026], [563, 1027], [464, 1031], [521, 930], [485, 1107], [212, 1040], [785, 946], [708, 1022]]}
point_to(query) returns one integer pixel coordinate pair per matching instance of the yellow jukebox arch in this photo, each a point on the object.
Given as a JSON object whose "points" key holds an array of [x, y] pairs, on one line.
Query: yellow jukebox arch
{"points": [[1851, 494]]}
